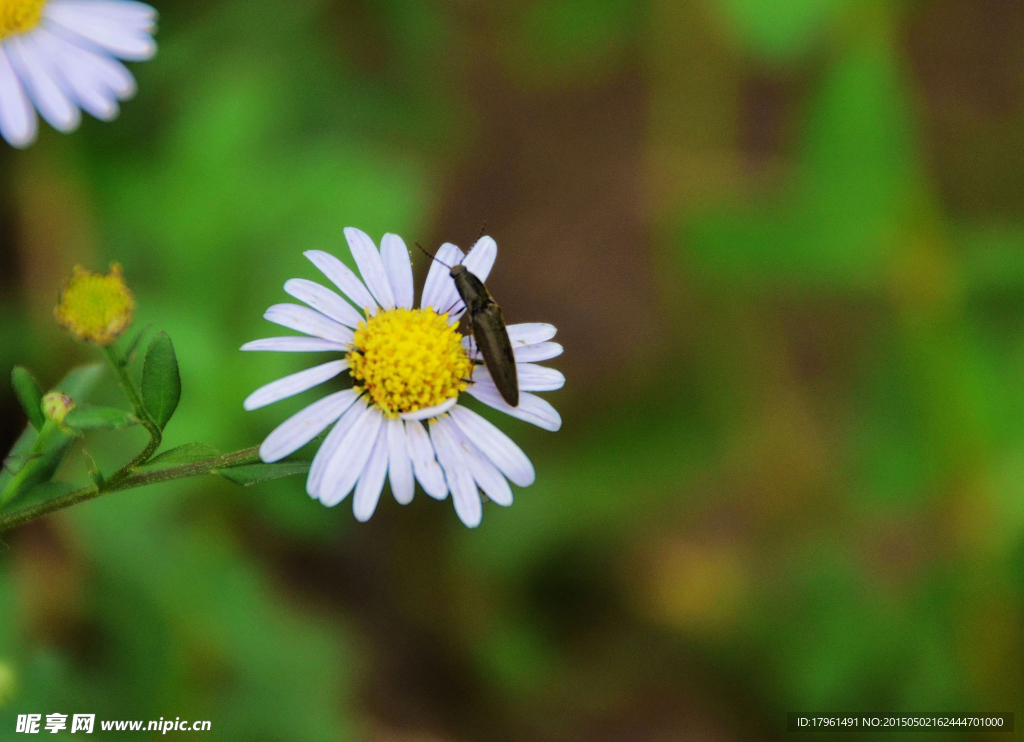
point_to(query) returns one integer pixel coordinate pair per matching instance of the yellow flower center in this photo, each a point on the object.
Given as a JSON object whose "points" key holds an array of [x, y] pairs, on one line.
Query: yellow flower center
{"points": [[408, 359], [94, 306], [19, 16]]}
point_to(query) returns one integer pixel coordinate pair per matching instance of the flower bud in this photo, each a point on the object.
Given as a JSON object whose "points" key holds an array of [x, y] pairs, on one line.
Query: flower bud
{"points": [[56, 406]]}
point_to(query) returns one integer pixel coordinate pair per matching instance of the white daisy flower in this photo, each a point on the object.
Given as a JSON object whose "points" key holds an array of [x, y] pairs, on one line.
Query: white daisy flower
{"points": [[59, 56], [402, 420]]}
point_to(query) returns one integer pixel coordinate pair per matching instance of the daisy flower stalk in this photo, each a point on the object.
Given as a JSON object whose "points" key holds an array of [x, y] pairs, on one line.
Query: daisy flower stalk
{"points": [[402, 419], [61, 57]]}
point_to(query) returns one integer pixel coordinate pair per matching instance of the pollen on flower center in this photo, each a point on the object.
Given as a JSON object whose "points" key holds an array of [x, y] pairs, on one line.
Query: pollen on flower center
{"points": [[19, 16], [94, 306], [408, 359]]}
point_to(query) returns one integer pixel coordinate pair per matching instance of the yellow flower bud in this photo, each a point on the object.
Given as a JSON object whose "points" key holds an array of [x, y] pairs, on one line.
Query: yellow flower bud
{"points": [[56, 406], [94, 306]]}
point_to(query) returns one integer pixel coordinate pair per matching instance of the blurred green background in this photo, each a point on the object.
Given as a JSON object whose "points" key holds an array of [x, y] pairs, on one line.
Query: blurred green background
{"points": [[783, 242]]}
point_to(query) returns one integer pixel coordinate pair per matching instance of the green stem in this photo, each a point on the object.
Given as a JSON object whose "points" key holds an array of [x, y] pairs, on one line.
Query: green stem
{"points": [[131, 391], [136, 479], [42, 460]]}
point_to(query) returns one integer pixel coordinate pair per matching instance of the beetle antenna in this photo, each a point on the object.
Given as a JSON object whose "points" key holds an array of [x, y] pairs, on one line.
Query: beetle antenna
{"points": [[483, 228], [432, 257], [457, 302]]}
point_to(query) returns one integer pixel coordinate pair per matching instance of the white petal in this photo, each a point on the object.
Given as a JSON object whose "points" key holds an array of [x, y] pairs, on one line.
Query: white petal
{"points": [[531, 409], [537, 352], [296, 345], [84, 85], [426, 413], [523, 353], [456, 471], [46, 84], [135, 15], [439, 286], [530, 333], [495, 445], [371, 481], [116, 8], [399, 463], [480, 259], [122, 40], [424, 463], [324, 301], [305, 425], [532, 378], [371, 267], [293, 384], [43, 87], [120, 9], [107, 72], [331, 443], [448, 299], [350, 460], [304, 319], [486, 474], [17, 116], [321, 486], [344, 278], [395, 255]]}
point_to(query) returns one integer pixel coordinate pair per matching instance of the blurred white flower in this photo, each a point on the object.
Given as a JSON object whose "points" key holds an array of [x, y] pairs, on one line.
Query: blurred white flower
{"points": [[59, 56], [409, 367]]}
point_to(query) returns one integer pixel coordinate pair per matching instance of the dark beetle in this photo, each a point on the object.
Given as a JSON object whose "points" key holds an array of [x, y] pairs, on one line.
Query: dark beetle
{"points": [[489, 332]]}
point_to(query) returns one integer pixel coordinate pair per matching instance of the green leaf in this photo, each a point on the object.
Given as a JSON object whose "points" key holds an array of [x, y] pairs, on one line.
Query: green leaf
{"points": [[45, 449], [30, 396], [251, 474], [16, 462], [187, 454], [80, 381], [23, 445], [40, 462], [94, 471], [161, 383], [102, 418]]}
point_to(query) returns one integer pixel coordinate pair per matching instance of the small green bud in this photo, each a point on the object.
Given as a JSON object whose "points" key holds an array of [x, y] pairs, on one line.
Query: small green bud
{"points": [[56, 406]]}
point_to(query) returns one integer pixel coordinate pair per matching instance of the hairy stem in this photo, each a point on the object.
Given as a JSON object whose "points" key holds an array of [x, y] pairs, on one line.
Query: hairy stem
{"points": [[130, 481]]}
